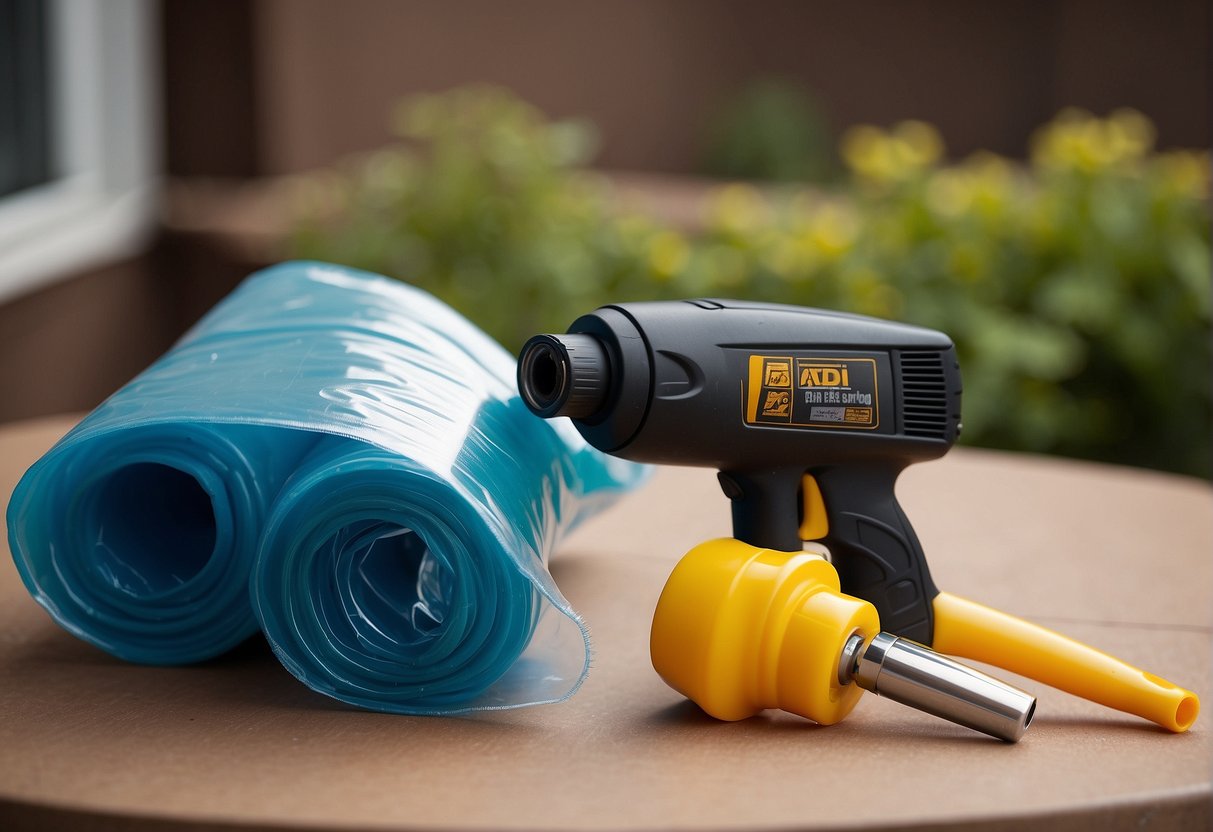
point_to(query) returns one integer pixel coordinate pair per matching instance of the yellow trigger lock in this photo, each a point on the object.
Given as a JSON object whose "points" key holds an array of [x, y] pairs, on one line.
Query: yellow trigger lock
{"points": [[813, 522]]}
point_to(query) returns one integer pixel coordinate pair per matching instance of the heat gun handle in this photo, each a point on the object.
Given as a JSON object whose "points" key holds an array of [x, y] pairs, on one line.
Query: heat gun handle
{"points": [[766, 507], [875, 550]]}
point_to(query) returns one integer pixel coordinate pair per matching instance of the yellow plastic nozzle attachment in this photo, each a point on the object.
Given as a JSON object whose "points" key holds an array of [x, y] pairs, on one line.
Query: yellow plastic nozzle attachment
{"points": [[968, 629], [740, 629]]}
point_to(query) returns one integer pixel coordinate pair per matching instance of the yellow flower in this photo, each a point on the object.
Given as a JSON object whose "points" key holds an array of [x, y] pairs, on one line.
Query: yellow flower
{"points": [[1130, 133], [950, 192], [668, 254], [833, 230], [737, 209], [1077, 140], [992, 183], [919, 143], [911, 146], [983, 183], [863, 150]]}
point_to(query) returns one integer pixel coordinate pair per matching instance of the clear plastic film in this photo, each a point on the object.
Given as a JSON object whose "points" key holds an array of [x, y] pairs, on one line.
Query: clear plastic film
{"points": [[343, 461]]}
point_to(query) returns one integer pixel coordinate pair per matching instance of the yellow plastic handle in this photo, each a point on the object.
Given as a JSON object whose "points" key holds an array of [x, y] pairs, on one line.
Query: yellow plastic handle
{"points": [[966, 628]]}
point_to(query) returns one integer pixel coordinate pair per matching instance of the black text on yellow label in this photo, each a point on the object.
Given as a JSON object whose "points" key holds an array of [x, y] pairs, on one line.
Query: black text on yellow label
{"points": [[817, 392], [823, 375]]}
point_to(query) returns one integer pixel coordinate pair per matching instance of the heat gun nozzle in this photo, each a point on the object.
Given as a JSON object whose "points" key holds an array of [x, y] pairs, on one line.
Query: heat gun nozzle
{"points": [[564, 375], [913, 675]]}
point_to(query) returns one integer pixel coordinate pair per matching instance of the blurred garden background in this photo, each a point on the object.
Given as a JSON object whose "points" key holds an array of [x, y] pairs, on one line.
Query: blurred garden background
{"points": [[1075, 284], [1033, 181]]}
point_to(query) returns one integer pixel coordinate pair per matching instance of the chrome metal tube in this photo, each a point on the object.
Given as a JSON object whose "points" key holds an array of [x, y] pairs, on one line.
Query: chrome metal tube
{"points": [[907, 672]]}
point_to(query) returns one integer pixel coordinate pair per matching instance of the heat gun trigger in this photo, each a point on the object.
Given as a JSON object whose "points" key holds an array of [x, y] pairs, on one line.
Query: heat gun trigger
{"points": [[852, 511]]}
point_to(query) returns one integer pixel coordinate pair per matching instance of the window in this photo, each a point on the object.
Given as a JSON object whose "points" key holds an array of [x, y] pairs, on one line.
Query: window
{"points": [[77, 149], [24, 94]]}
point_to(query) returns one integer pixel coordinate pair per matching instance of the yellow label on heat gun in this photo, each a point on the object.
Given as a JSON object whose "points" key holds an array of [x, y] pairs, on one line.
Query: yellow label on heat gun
{"points": [[812, 391]]}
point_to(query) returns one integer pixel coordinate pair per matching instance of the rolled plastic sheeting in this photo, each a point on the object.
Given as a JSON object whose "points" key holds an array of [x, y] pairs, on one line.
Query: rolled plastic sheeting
{"points": [[343, 461]]}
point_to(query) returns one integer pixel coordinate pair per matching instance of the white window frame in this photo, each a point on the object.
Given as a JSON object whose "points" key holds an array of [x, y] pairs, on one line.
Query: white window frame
{"points": [[102, 204]]}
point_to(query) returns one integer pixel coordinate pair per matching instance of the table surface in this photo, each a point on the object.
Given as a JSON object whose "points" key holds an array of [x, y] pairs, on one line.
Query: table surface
{"points": [[1119, 558]]}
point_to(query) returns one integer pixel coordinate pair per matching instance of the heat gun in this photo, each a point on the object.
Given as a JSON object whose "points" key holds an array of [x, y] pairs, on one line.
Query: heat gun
{"points": [[808, 416]]}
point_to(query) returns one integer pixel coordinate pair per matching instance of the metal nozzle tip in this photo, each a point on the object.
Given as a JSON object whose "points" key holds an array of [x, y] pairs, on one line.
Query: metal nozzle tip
{"points": [[907, 672]]}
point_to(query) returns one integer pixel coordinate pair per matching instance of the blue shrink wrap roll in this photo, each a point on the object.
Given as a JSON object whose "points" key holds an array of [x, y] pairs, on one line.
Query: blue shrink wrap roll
{"points": [[343, 461]]}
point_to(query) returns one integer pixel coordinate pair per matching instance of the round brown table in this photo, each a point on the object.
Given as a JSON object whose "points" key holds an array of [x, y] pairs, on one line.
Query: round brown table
{"points": [[1117, 557]]}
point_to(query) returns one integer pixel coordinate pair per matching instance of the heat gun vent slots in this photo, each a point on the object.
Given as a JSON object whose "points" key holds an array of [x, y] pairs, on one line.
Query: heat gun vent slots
{"points": [[924, 395]]}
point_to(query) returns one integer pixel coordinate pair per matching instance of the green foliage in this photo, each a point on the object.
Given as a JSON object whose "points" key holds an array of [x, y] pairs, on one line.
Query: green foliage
{"points": [[483, 204], [1076, 288], [772, 130]]}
